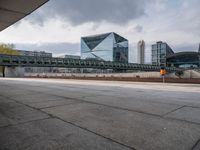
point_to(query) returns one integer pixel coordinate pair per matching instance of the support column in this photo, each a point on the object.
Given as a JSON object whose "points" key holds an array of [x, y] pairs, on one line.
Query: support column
{"points": [[14, 72]]}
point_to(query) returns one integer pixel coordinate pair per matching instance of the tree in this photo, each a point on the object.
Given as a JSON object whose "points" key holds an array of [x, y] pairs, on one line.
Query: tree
{"points": [[9, 50]]}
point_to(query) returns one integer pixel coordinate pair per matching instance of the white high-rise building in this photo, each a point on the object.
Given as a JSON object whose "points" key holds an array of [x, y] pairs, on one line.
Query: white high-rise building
{"points": [[141, 52]]}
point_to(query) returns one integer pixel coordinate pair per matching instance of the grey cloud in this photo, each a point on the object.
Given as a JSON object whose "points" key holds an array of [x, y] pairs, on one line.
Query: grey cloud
{"points": [[188, 47], [55, 48], [138, 28], [186, 18], [81, 11], [36, 19]]}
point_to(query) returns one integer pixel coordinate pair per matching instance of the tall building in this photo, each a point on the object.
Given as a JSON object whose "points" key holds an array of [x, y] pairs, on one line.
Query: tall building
{"points": [[160, 51], [106, 47], [199, 48], [141, 52]]}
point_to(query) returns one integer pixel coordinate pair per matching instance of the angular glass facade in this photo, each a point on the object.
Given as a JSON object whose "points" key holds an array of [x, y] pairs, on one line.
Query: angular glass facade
{"points": [[160, 51], [106, 47]]}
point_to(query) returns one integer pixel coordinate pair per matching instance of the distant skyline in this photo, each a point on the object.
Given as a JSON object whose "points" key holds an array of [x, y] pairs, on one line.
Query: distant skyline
{"points": [[59, 24]]}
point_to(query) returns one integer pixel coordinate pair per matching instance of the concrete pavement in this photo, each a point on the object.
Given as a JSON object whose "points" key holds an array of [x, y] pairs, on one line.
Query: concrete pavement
{"points": [[76, 114]]}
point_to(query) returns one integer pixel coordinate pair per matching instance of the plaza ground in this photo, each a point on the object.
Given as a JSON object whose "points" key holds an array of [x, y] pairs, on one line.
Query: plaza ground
{"points": [[59, 114]]}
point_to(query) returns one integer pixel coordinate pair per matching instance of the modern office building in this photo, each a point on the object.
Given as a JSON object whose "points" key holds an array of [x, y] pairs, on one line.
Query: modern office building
{"points": [[160, 51], [184, 60], [199, 48], [141, 52], [34, 53], [106, 47]]}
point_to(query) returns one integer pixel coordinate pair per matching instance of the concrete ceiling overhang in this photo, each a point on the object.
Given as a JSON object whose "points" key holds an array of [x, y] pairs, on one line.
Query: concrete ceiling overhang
{"points": [[12, 11]]}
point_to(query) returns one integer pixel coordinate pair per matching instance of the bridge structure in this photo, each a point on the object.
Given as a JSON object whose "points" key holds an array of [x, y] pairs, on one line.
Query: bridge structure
{"points": [[31, 61]]}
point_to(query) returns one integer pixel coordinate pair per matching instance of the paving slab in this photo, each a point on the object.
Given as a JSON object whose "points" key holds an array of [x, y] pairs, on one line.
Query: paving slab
{"points": [[108, 110], [134, 104], [197, 146], [162, 96], [52, 103], [65, 92], [186, 113], [14, 113], [35, 98], [143, 132], [52, 134], [14, 91], [4, 121], [165, 97]]}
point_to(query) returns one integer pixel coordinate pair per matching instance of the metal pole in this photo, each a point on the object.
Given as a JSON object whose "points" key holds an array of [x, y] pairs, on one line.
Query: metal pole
{"points": [[3, 71], [163, 78]]}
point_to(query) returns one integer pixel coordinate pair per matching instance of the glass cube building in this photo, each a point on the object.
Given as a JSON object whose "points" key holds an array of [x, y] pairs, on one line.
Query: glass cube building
{"points": [[106, 47], [160, 51]]}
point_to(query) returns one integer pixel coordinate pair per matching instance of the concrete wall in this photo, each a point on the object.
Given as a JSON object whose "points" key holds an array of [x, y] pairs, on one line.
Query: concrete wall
{"points": [[14, 71], [191, 74], [187, 75], [137, 74], [19, 72]]}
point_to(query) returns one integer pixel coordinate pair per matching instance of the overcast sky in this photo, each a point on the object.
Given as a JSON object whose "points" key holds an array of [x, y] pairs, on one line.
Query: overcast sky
{"points": [[58, 25]]}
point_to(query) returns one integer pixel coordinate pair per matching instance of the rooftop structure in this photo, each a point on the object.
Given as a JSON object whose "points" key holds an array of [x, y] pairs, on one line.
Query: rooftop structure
{"points": [[34, 53], [72, 57]]}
